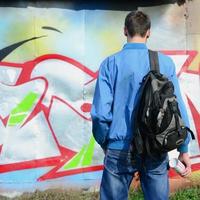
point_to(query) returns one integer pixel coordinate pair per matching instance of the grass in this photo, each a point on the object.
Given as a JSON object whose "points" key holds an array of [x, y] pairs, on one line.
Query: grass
{"points": [[136, 195], [186, 194], [57, 195]]}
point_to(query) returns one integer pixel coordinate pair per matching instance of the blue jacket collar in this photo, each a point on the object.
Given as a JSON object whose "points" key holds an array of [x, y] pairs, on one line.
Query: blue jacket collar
{"points": [[131, 45]]}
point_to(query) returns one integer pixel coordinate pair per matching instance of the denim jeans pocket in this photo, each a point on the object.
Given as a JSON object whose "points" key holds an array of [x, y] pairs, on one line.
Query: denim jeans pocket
{"points": [[119, 162]]}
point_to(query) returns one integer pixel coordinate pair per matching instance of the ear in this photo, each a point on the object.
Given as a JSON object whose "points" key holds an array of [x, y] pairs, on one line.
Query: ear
{"points": [[148, 33], [125, 31]]}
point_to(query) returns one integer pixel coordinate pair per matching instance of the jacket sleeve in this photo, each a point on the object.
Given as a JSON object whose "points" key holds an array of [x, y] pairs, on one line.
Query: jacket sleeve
{"points": [[101, 111], [184, 147]]}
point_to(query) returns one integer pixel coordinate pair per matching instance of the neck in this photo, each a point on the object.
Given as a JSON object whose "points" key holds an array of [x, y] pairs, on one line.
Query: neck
{"points": [[137, 39]]}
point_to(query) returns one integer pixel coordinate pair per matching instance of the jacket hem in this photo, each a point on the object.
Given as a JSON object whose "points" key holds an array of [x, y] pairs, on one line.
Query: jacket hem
{"points": [[120, 145]]}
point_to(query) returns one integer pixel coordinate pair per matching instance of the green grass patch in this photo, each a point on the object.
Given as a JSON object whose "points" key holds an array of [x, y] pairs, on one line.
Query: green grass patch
{"points": [[192, 193], [56, 195], [185, 194], [136, 195]]}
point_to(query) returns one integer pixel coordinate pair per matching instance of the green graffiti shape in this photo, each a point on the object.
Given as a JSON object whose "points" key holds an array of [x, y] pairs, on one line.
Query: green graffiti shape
{"points": [[87, 160], [76, 160], [84, 157], [19, 113]]}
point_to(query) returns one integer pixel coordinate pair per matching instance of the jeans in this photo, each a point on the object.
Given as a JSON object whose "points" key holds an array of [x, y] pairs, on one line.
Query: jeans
{"points": [[119, 170]]}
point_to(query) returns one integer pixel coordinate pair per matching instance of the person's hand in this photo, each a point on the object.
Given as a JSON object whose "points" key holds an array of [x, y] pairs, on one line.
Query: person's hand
{"points": [[185, 159]]}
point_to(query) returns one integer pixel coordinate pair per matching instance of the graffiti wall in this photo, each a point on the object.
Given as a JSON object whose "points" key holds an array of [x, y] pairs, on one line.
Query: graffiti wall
{"points": [[49, 62]]}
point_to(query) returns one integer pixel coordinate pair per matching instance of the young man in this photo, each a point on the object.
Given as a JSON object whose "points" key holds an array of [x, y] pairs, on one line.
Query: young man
{"points": [[113, 104]]}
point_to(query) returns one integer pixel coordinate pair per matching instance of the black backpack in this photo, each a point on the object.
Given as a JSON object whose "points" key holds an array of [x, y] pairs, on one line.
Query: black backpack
{"points": [[158, 126]]}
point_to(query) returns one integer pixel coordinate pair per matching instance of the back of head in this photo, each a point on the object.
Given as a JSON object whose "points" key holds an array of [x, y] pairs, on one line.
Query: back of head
{"points": [[137, 23]]}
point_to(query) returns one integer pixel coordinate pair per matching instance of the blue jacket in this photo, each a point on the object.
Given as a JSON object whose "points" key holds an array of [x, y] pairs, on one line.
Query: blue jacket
{"points": [[115, 92]]}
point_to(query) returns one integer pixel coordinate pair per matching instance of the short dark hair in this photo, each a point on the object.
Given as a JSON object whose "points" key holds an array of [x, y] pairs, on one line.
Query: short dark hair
{"points": [[137, 23]]}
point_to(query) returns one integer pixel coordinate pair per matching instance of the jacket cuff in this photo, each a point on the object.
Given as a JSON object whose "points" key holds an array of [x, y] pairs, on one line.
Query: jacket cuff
{"points": [[183, 149]]}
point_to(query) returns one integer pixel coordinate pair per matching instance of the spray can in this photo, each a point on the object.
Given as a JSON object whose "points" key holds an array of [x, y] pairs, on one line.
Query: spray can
{"points": [[177, 165]]}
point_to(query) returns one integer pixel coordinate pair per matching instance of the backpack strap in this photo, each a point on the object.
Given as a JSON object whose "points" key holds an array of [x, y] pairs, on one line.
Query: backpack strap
{"points": [[153, 59], [191, 132]]}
